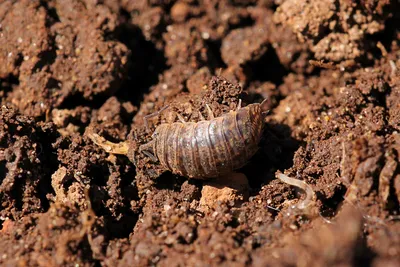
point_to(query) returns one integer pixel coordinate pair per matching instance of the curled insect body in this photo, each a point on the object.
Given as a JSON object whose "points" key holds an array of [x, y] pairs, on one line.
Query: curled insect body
{"points": [[207, 148]]}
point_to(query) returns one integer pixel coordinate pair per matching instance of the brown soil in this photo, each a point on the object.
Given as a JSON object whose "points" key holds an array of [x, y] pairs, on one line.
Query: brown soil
{"points": [[329, 69]]}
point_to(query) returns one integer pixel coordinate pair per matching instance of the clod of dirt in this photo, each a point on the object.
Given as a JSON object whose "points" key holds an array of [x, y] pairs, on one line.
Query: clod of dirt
{"points": [[341, 241], [232, 189], [243, 45], [338, 47], [111, 119], [237, 74], [172, 83], [393, 101], [17, 44], [61, 57], [89, 167], [336, 30], [69, 195], [25, 163], [216, 18], [198, 81], [291, 53], [306, 18], [180, 11], [150, 16], [184, 45], [63, 117], [57, 237], [267, 91]]}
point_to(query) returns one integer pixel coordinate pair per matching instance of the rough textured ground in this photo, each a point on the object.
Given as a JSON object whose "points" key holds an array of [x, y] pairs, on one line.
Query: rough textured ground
{"points": [[329, 69]]}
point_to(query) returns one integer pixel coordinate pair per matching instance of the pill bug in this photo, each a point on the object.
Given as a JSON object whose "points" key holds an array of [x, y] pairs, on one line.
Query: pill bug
{"points": [[208, 148], [203, 149]]}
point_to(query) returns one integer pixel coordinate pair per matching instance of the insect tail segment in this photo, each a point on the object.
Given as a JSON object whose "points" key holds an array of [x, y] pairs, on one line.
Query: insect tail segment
{"points": [[110, 147]]}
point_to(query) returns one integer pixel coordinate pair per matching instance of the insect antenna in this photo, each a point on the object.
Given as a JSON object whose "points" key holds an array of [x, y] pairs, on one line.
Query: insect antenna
{"points": [[152, 115], [265, 107]]}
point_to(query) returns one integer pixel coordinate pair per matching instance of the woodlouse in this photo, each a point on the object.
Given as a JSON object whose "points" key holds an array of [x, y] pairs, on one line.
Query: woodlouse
{"points": [[204, 149]]}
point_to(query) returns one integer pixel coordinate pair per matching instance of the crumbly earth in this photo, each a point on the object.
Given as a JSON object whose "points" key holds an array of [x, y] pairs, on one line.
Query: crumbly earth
{"points": [[329, 71]]}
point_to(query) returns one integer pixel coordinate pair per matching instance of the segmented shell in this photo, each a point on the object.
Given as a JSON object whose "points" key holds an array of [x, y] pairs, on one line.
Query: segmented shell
{"points": [[209, 148]]}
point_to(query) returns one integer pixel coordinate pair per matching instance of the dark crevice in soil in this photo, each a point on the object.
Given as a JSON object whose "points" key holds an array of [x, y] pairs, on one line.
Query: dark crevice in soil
{"points": [[331, 205], [392, 26], [121, 228], [17, 195], [245, 22], [147, 63], [215, 48], [268, 68], [51, 12], [47, 155], [3, 170], [169, 181], [45, 189], [364, 256], [276, 153], [19, 60], [7, 84], [46, 58], [75, 100]]}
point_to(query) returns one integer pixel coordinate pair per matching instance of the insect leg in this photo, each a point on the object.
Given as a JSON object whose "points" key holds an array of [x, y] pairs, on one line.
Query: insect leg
{"points": [[239, 106], [201, 116], [210, 113], [264, 104], [148, 150], [180, 117], [147, 117], [264, 107], [151, 156]]}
